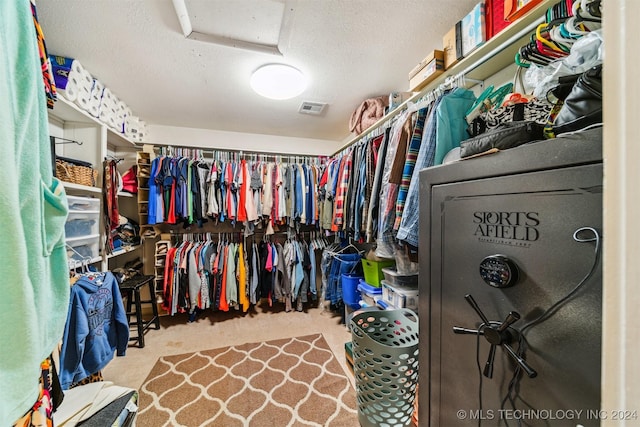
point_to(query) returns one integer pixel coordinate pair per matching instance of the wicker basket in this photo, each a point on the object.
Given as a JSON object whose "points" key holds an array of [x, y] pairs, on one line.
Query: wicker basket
{"points": [[75, 174]]}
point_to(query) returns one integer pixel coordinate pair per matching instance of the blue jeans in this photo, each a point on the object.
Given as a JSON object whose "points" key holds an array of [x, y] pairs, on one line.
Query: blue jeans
{"points": [[341, 264]]}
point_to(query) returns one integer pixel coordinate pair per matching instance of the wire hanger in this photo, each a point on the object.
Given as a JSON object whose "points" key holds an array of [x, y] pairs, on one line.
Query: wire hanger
{"points": [[84, 261]]}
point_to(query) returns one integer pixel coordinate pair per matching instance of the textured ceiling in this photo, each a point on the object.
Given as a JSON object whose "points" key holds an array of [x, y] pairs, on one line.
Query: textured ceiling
{"points": [[351, 50]]}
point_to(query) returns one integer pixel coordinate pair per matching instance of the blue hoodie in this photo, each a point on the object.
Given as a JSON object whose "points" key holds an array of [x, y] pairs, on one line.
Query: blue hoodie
{"points": [[96, 327]]}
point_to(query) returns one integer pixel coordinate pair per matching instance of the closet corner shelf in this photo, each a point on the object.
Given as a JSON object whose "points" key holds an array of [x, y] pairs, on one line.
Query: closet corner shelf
{"points": [[122, 251], [67, 111], [485, 61]]}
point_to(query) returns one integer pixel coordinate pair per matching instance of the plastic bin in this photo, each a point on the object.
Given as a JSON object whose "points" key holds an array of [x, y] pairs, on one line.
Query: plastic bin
{"points": [[369, 293], [81, 224], [399, 297], [373, 270], [84, 248], [83, 204], [392, 277], [350, 293], [385, 356]]}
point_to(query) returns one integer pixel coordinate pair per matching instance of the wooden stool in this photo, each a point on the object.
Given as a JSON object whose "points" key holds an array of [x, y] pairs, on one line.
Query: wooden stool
{"points": [[131, 290]]}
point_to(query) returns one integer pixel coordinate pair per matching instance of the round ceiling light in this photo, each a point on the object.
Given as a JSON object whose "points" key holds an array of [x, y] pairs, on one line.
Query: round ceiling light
{"points": [[278, 81]]}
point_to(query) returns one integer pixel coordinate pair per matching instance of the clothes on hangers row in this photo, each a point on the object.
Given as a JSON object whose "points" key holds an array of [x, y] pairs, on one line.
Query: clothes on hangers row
{"points": [[225, 275], [372, 189], [193, 191]]}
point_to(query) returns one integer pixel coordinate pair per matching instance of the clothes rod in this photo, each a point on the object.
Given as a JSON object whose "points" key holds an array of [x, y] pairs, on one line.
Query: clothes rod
{"points": [[210, 150], [511, 40], [65, 140]]}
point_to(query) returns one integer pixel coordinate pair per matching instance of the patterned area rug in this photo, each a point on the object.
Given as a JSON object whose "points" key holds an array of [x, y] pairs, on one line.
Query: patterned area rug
{"points": [[287, 382]]}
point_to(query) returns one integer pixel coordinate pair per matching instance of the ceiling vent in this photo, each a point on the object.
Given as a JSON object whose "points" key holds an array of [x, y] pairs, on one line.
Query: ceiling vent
{"points": [[313, 108]]}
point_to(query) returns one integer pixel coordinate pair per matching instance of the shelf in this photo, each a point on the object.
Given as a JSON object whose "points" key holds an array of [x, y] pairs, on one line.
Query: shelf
{"points": [[499, 52], [73, 264], [123, 250], [67, 111], [81, 238], [125, 194], [485, 61], [83, 188]]}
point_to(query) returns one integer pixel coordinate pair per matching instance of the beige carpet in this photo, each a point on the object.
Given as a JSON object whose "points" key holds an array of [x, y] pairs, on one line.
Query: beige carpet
{"points": [[286, 382]]}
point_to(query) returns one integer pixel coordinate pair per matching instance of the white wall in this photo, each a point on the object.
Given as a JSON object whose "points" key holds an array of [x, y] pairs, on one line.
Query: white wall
{"points": [[621, 299], [212, 139]]}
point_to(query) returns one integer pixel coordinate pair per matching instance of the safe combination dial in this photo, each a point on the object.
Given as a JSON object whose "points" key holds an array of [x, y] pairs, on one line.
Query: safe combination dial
{"points": [[498, 271]]}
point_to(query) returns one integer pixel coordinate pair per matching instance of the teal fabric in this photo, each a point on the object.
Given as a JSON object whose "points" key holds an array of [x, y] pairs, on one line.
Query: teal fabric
{"points": [[33, 209]]}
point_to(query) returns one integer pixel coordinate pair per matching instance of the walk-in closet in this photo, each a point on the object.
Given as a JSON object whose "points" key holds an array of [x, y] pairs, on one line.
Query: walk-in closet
{"points": [[320, 213]]}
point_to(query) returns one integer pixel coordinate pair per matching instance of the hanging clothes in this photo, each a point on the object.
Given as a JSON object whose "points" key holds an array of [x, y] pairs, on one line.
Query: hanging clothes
{"points": [[445, 129], [49, 398], [341, 191], [45, 62], [388, 196], [34, 208], [201, 274], [189, 191], [409, 164], [373, 207], [110, 187], [97, 327], [242, 276]]}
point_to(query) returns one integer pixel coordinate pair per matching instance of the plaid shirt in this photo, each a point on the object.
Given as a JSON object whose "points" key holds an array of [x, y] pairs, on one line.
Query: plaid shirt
{"points": [[343, 184]]}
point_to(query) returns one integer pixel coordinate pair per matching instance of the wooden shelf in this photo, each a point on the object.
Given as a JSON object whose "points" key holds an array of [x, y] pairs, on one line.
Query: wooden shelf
{"points": [[485, 61]]}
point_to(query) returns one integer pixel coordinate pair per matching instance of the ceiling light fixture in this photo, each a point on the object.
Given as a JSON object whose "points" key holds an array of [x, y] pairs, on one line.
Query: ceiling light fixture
{"points": [[278, 81]]}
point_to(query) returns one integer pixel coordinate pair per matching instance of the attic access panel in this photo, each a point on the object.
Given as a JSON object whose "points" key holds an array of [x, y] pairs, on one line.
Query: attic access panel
{"points": [[254, 21], [529, 219]]}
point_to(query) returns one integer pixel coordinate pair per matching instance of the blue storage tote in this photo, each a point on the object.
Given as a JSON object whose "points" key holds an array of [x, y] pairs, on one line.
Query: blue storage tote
{"points": [[350, 294]]}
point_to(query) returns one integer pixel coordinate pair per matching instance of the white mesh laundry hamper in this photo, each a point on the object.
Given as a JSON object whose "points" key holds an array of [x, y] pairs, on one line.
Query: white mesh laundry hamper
{"points": [[385, 356]]}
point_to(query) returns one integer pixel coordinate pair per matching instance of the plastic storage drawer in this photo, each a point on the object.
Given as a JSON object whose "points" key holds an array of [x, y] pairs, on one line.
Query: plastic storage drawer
{"points": [[81, 224], [83, 204], [399, 297], [84, 248], [369, 293], [392, 277]]}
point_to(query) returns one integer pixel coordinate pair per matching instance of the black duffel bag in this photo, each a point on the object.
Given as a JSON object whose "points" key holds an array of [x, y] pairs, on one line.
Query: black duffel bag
{"points": [[582, 106], [506, 135]]}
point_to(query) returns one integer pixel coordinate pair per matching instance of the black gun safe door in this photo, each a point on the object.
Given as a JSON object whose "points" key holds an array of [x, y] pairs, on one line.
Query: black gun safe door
{"points": [[497, 233]]}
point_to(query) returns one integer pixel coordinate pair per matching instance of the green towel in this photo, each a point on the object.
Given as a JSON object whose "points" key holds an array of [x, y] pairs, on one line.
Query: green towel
{"points": [[34, 282]]}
